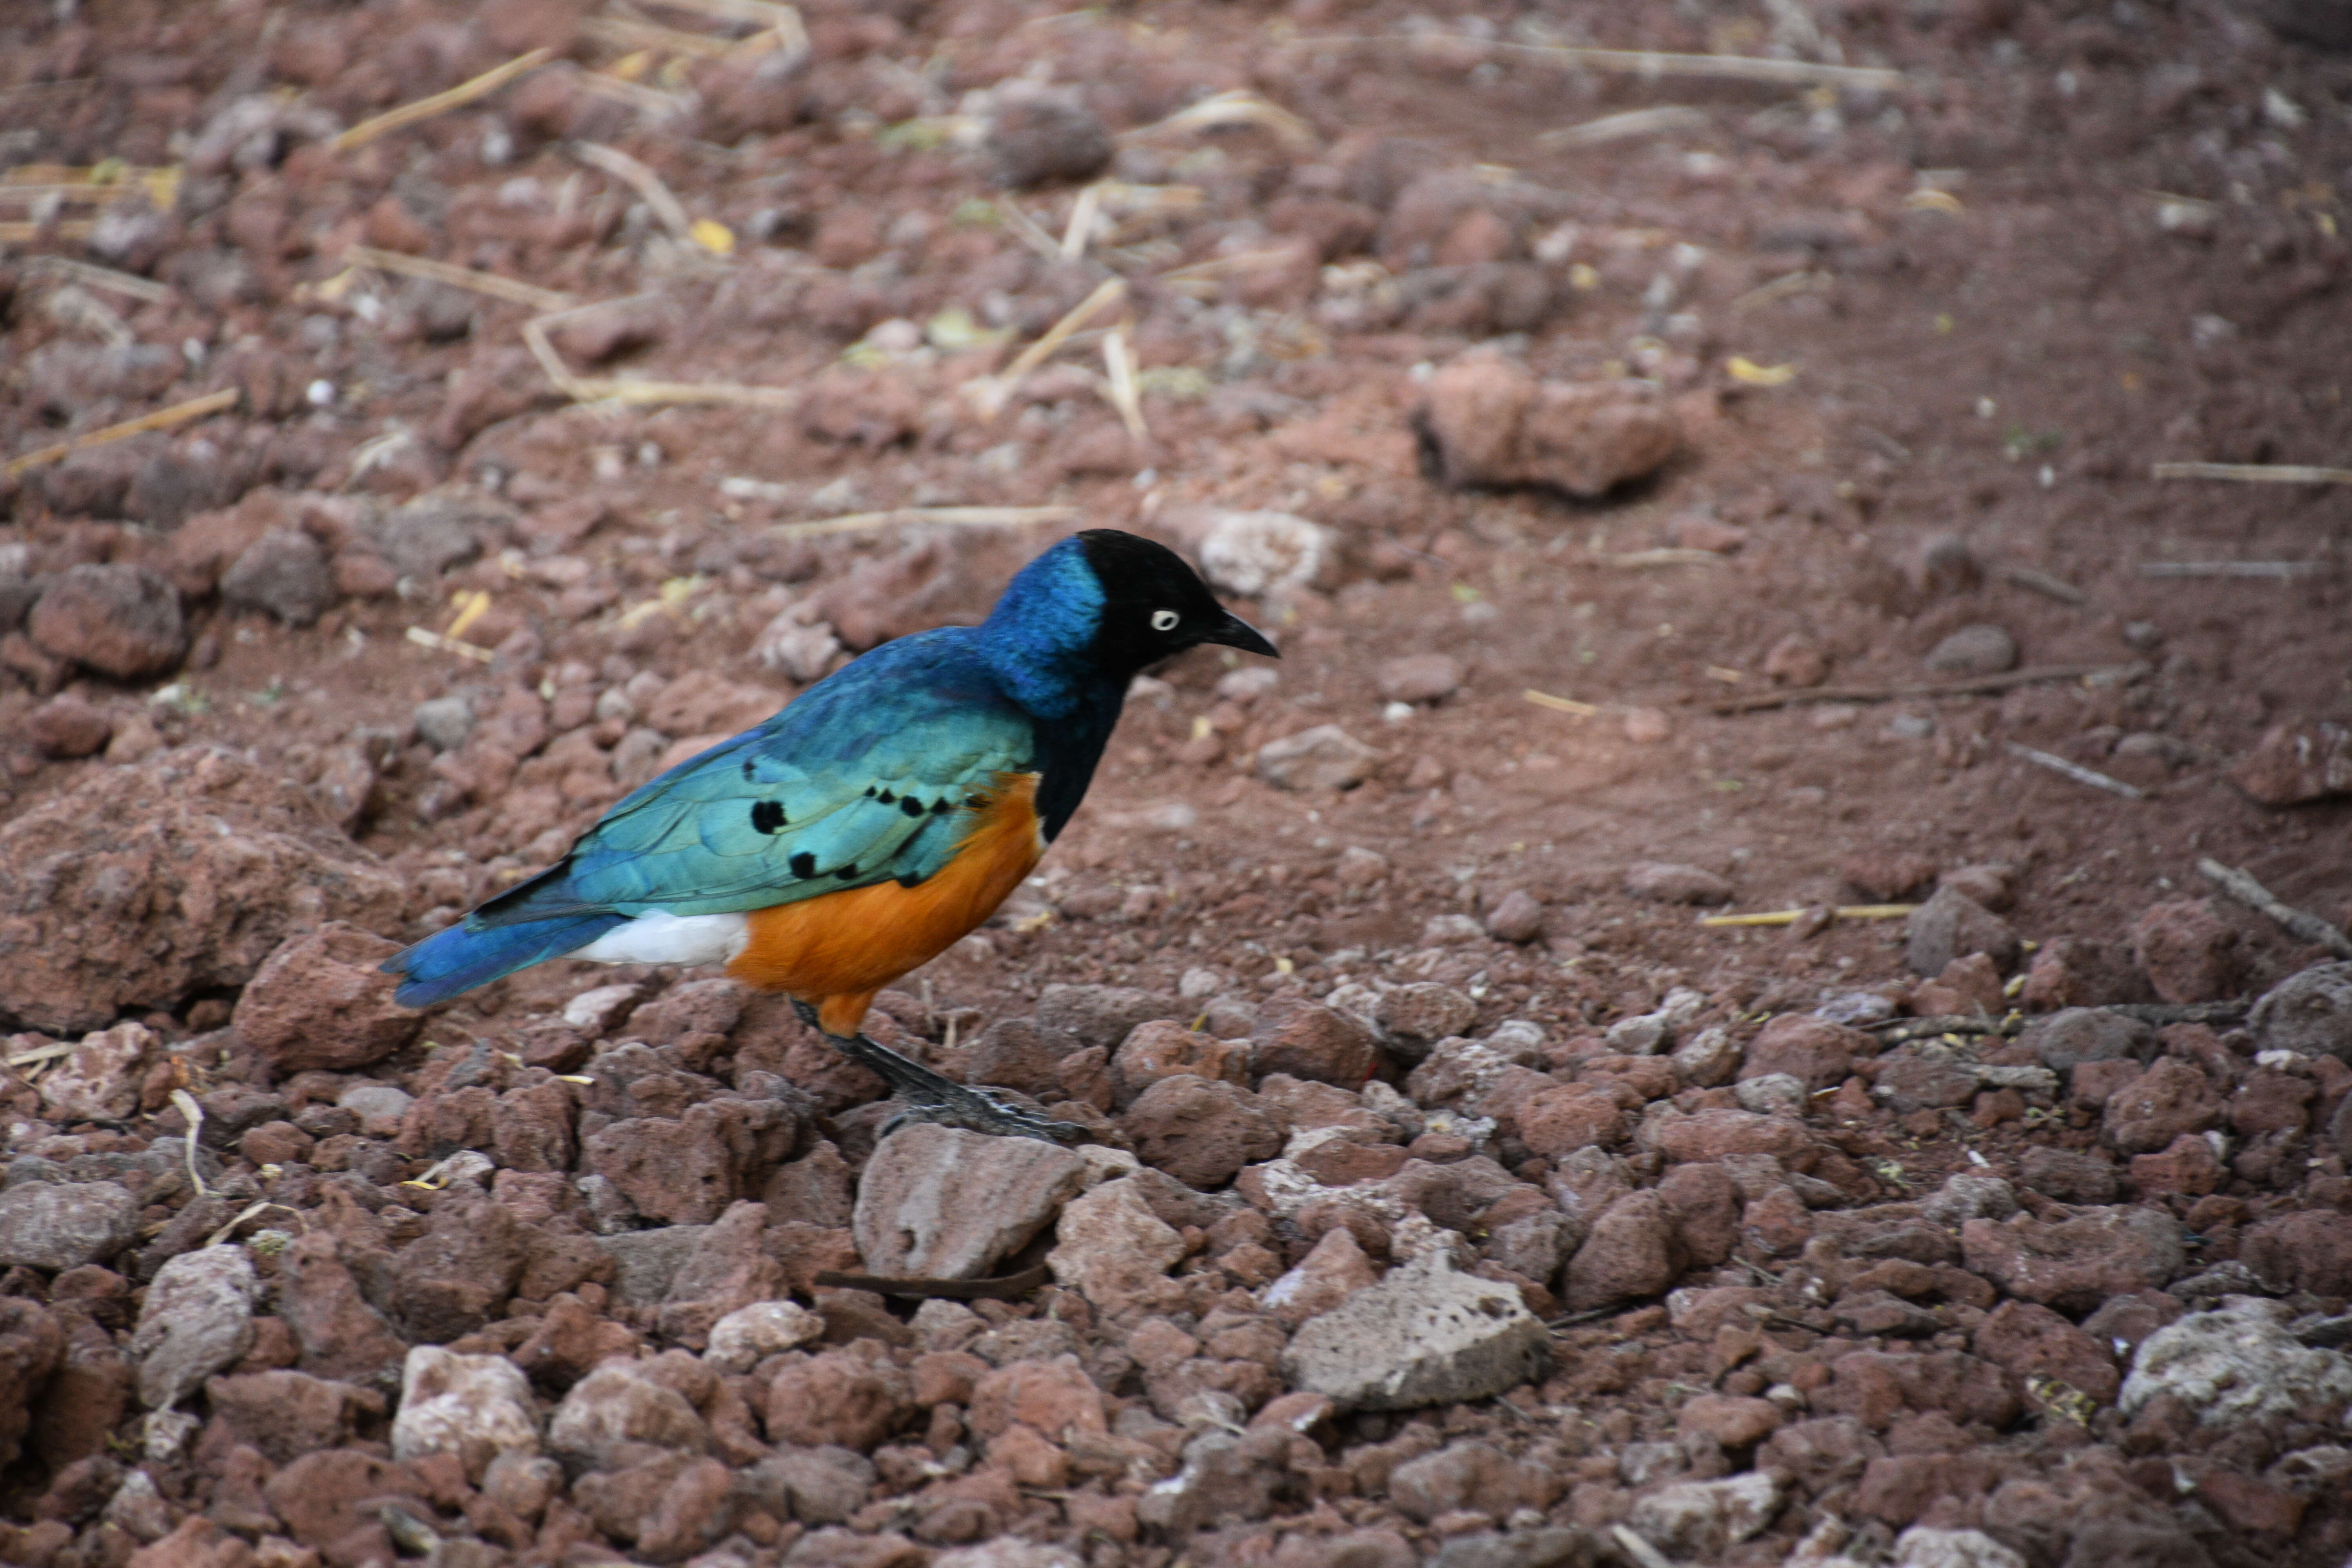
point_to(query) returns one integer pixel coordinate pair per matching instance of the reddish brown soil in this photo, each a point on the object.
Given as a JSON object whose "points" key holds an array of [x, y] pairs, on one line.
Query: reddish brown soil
{"points": [[2075, 243]]}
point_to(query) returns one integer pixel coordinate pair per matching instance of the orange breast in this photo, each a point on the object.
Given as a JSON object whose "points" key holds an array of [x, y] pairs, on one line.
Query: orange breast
{"points": [[839, 949]]}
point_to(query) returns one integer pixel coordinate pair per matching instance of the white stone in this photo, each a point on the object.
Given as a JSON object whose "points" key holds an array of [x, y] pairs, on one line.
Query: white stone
{"points": [[380, 1108], [742, 1339], [463, 1405], [1323, 757], [197, 1318], [1255, 554], [616, 1408], [596, 1012], [100, 1081], [2239, 1364], [1426, 1334], [1920, 1547], [1700, 1518], [940, 1203], [1112, 1248]]}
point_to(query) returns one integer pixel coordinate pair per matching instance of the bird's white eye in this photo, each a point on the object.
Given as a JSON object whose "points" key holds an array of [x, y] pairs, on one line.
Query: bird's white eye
{"points": [[1164, 620]]}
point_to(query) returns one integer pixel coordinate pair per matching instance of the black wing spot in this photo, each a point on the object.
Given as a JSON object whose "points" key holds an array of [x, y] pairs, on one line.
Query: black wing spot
{"points": [[747, 767], [911, 878], [941, 806], [869, 792], [767, 815], [911, 806], [803, 865], [846, 872], [886, 798], [975, 803]]}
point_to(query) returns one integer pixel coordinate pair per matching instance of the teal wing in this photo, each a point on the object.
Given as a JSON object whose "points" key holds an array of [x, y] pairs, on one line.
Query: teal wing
{"points": [[857, 782]]}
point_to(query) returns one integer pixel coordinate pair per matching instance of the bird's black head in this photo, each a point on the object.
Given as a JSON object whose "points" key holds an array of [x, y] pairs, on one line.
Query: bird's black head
{"points": [[1154, 605]]}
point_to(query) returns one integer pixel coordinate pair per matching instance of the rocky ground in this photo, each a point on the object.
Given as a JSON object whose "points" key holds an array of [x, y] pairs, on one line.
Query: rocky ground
{"points": [[1674, 494]]}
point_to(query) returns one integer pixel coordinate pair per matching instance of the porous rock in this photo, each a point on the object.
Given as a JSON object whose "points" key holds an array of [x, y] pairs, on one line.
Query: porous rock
{"points": [[1952, 925], [322, 1002], [100, 1081], [1427, 1334], [2075, 1264], [1698, 1520], [54, 1226], [119, 620], [196, 1320], [31, 1346], [1668, 883], [2293, 764], [1254, 554], [284, 573], [2309, 1012], [1488, 421], [2241, 1363], [941, 1202], [142, 886], [1111, 1247], [475, 1407], [2187, 952]]}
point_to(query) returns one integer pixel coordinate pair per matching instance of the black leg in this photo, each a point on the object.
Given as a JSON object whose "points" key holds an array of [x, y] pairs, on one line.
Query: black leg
{"points": [[930, 1097]]}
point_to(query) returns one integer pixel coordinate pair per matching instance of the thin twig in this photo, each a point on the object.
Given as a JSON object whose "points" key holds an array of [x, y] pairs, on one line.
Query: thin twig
{"points": [[2043, 583], [145, 288], [2075, 770], [658, 196], [465, 92], [1005, 1286], [1897, 1031], [1670, 555], [1652, 63], [1790, 917], [27, 233], [2276, 570], [161, 419], [1568, 705], [433, 271], [1238, 107], [2253, 473], [954, 516], [1972, 686], [2301, 924], [1664, 118], [1118, 363], [990, 393], [624, 34], [1081, 226]]}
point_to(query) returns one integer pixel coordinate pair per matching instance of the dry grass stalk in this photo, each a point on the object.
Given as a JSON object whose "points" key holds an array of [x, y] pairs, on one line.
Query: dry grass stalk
{"points": [[488, 283], [609, 389], [72, 228], [1664, 119], [782, 22], [2253, 473], [1566, 705], [1779, 288], [1972, 686], [2077, 771], [990, 393], [658, 196], [434, 640], [1790, 917], [952, 516], [1675, 555], [624, 33], [1725, 67], [1027, 230], [650, 101], [1225, 265], [1238, 107], [103, 184], [161, 419], [465, 92], [1118, 363], [1081, 226], [2043, 583], [106, 277]]}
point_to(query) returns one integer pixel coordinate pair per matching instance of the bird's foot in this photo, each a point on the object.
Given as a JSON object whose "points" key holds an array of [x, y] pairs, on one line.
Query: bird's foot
{"points": [[928, 1096]]}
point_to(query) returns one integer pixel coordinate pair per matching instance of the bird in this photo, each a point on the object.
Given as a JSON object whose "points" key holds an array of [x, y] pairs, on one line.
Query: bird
{"points": [[872, 822]]}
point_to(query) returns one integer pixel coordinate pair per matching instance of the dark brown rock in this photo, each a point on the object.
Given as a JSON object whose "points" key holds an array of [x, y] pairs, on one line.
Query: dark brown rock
{"points": [[2167, 1101], [1952, 925], [851, 1397], [1201, 1133], [2309, 1012], [686, 1170], [2028, 1340], [1817, 1053], [1308, 1040], [2074, 1264], [67, 727], [286, 1414], [1634, 1250], [2187, 952], [31, 1347], [284, 573], [1034, 134], [322, 1002], [122, 621]]}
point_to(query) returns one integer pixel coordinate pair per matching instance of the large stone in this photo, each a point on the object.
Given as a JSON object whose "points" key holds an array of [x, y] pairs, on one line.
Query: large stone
{"points": [[322, 1002], [475, 1407], [119, 620], [1635, 1251], [2187, 952], [617, 1415], [1981, 649], [1487, 420], [1111, 1247], [31, 1346], [51, 1226], [197, 1318], [2168, 1100], [1427, 1334], [285, 573], [1201, 1133], [1952, 925], [2236, 1366], [1256, 554], [1321, 758], [2309, 1012], [143, 886], [1698, 1521], [2076, 1263], [940, 1203]]}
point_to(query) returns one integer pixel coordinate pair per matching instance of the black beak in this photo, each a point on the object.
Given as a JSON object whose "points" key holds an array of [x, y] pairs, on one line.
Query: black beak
{"points": [[1238, 633]]}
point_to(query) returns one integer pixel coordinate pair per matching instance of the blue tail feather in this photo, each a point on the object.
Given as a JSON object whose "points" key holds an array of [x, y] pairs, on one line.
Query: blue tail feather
{"points": [[460, 958]]}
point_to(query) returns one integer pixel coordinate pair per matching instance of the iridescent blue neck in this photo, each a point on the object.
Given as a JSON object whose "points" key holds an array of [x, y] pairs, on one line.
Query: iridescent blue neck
{"points": [[1037, 637]]}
